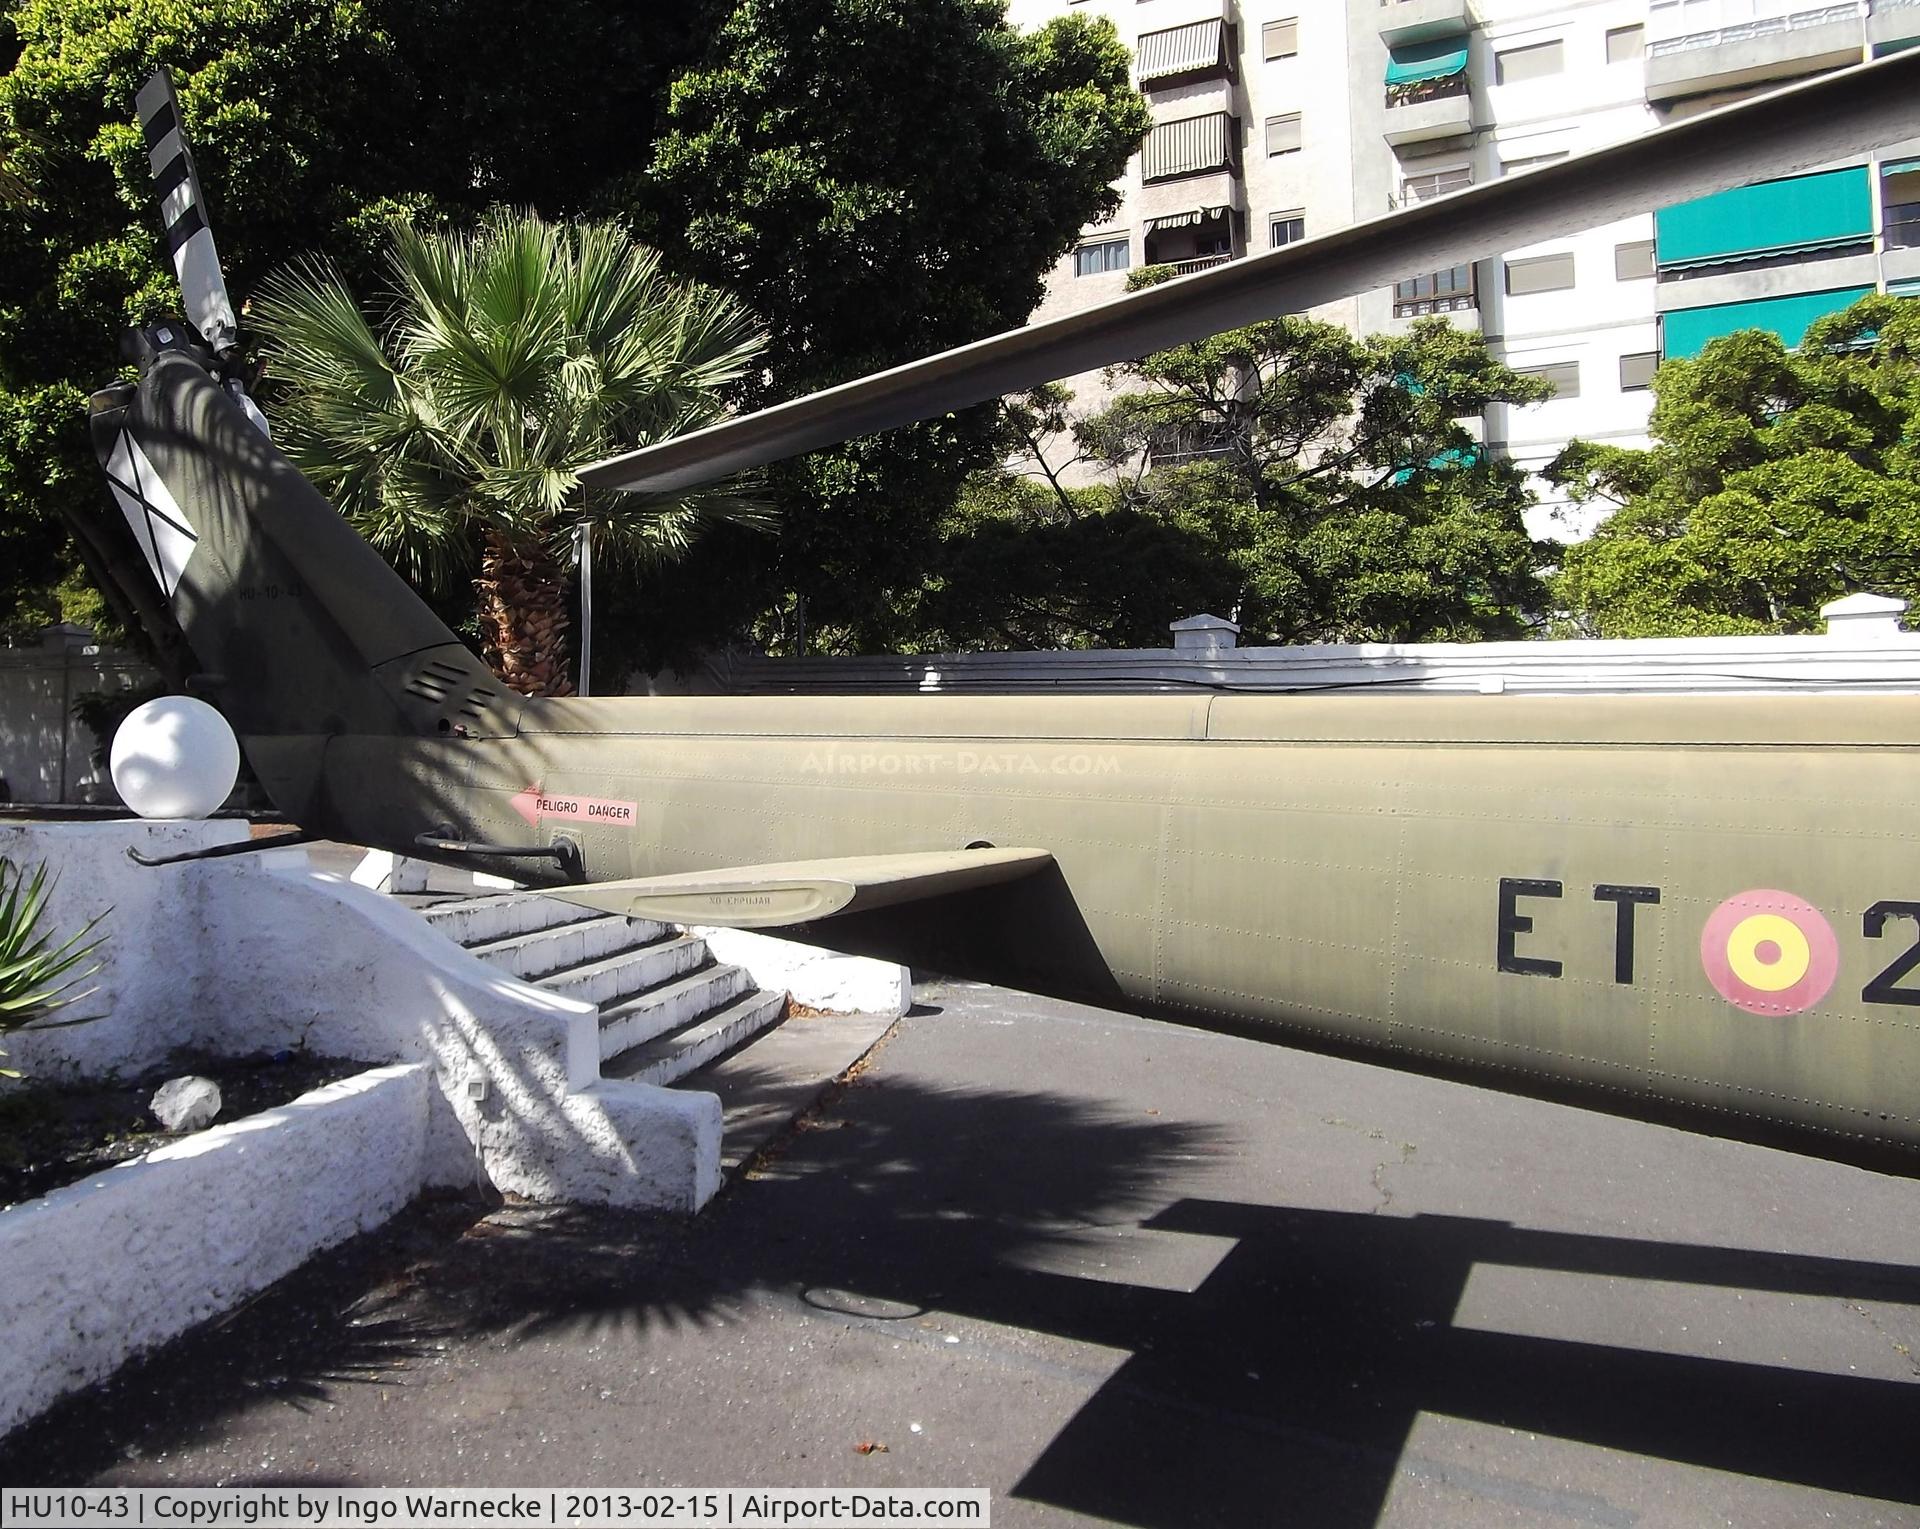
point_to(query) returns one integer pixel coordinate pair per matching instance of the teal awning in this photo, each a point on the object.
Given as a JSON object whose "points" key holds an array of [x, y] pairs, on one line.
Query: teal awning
{"points": [[1453, 456], [1686, 331], [1904, 288], [1435, 59], [1807, 212]]}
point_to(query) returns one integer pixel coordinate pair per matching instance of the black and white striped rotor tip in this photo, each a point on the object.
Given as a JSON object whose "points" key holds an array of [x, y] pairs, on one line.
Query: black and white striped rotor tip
{"points": [[183, 212]]}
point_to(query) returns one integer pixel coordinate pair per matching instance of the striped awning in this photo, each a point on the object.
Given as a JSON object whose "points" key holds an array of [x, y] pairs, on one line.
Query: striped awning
{"points": [[1190, 146], [1191, 219], [1180, 50]]}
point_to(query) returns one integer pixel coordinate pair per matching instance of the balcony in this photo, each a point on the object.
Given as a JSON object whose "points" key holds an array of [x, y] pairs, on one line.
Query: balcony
{"points": [[1196, 238], [1430, 109], [1417, 20], [1702, 45]]}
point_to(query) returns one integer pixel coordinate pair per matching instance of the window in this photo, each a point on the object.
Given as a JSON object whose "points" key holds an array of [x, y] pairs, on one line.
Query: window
{"points": [[1626, 44], [1107, 255], [1286, 228], [1447, 291], [1636, 371], [1281, 39], [1632, 262], [1900, 203], [1540, 273], [1283, 134], [1564, 375], [1534, 62], [1177, 445], [1423, 188]]}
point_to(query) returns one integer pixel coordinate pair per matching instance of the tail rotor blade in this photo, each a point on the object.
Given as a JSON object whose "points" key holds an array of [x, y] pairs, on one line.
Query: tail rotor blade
{"points": [[183, 210]]}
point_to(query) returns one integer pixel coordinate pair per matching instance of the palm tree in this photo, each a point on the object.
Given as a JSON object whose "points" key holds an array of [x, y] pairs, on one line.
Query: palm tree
{"points": [[504, 360]]}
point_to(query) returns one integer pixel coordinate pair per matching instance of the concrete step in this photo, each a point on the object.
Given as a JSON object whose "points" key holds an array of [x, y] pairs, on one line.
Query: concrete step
{"points": [[541, 952], [670, 1006], [666, 1058], [622, 974], [473, 920]]}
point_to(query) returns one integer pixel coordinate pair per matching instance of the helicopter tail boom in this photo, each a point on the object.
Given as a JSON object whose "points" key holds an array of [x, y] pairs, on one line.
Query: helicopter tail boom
{"points": [[302, 631]]}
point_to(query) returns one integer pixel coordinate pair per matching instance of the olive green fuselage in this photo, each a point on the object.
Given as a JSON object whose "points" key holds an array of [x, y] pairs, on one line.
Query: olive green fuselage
{"points": [[1520, 884], [1706, 901]]}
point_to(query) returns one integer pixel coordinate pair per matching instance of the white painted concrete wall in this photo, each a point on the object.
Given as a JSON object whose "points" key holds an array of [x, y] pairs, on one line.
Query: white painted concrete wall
{"points": [[45, 754], [248, 955], [118, 1263]]}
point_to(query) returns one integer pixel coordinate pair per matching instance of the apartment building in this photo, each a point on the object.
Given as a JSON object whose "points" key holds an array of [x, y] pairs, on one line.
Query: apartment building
{"points": [[1278, 119]]}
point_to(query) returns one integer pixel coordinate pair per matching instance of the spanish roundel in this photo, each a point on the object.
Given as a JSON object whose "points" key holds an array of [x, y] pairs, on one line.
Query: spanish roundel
{"points": [[1769, 952]]}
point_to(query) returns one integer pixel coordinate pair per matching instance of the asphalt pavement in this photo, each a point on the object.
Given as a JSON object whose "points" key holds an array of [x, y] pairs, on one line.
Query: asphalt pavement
{"points": [[1116, 1271]]}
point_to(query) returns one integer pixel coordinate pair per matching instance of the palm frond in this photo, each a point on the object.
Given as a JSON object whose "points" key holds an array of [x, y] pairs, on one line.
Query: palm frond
{"points": [[501, 360]]}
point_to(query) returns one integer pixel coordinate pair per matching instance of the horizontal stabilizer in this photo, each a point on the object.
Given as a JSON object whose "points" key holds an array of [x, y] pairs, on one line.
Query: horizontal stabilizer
{"points": [[770, 896]]}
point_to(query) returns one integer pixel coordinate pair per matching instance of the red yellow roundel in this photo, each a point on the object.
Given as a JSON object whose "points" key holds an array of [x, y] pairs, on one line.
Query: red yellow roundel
{"points": [[1769, 952]]}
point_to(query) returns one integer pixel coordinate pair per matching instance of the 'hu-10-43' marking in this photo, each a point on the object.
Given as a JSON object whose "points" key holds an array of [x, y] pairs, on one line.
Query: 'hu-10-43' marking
{"points": [[1764, 950]]}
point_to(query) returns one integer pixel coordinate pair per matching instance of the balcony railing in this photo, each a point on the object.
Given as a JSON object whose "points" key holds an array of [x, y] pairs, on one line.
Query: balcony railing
{"points": [[1681, 26], [1441, 89], [1420, 306], [1176, 445], [1200, 263]]}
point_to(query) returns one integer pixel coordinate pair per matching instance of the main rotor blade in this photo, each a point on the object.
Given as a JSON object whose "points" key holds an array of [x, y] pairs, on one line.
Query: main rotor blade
{"points": [[183, 210], [1841, 114]]}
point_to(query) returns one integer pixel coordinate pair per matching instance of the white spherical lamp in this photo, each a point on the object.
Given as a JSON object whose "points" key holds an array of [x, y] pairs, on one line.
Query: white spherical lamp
{"points": [[174, 758]]}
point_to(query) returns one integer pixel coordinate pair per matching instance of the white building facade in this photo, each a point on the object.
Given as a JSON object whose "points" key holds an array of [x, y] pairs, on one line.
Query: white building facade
{"points": [[1278, 119]]}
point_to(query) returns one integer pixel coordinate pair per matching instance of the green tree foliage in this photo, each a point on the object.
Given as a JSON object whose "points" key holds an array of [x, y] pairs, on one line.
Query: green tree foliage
{"points": [[1778, 480], [880, 180], [310, 125], [1316, 484], [505, 360]]}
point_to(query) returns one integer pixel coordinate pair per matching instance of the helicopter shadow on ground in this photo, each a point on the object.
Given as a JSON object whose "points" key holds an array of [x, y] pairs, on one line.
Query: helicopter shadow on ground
{"points": [[1283, 1386], [1280, 1387]]}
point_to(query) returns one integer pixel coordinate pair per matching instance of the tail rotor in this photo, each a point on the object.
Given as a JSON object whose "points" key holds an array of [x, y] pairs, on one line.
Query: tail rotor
{"points": [[183, 209]]}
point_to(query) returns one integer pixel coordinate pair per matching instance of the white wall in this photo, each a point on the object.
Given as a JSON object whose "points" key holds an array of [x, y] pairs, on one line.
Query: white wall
{"points": [[45, 753]]}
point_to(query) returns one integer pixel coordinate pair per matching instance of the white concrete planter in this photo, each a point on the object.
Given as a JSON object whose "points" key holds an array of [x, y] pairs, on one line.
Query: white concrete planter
{"points": [[118, 1263], [240, 956]]}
